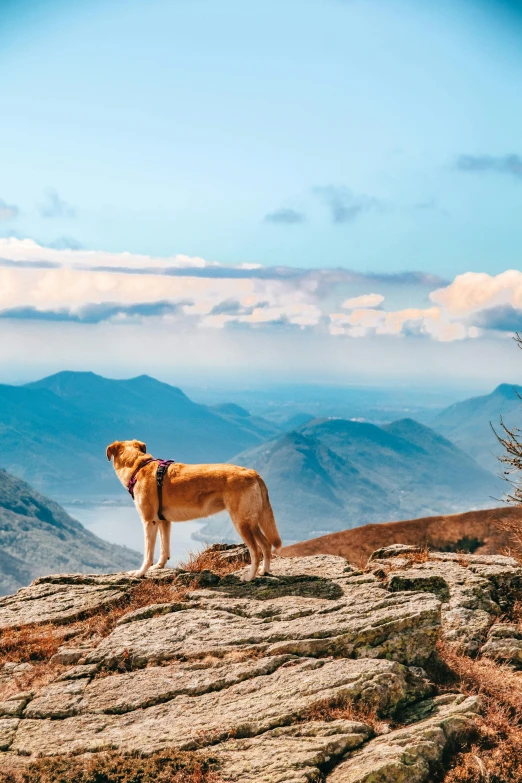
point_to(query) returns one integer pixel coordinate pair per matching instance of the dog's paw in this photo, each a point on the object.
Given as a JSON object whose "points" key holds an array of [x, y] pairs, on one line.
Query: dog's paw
{"points": [[156, 566], [247, 577]]}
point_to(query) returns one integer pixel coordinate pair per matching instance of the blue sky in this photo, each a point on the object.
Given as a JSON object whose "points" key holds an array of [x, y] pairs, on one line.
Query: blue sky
{"points": [[378, 136], [178, 126]]}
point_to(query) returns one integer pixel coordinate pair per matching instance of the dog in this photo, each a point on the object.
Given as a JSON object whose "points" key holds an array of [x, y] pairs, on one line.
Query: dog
{"points": [[192, 492]]}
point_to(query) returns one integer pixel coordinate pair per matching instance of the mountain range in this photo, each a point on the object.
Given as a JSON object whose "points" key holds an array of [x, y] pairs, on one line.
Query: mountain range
{"points": [[38, 537], [54, 432], [469, 424], [332, 474], [324, 474]]}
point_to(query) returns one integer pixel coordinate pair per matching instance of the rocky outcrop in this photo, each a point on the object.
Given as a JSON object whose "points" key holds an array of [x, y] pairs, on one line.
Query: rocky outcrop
{"points": [[316, 672], [475, 590]]}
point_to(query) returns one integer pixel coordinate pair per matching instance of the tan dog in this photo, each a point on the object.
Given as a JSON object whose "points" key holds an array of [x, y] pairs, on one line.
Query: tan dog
{"points": [[194, 491]]}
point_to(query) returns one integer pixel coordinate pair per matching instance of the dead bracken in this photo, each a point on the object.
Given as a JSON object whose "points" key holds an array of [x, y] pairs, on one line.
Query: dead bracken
{"points": [[169, 766]]}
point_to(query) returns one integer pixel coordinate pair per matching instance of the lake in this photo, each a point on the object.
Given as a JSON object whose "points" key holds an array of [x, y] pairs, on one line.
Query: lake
{"points": [[120, 524]]}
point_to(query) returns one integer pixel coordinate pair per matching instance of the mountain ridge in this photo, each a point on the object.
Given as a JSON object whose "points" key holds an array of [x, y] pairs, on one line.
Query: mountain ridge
{"points": [[38, 537], [478, 532], [469, 423], [332, 474], [53, 432]]}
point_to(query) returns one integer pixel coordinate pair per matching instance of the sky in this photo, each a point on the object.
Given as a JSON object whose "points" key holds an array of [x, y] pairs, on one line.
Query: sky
{"points": [[319, 190]]}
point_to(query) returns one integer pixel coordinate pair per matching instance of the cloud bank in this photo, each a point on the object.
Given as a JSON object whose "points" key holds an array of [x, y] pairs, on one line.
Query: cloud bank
{"points": [[191, 293]]}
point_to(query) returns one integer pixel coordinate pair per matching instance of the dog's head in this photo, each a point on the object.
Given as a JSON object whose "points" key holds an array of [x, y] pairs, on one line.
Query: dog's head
{"points": [[123, 451]]}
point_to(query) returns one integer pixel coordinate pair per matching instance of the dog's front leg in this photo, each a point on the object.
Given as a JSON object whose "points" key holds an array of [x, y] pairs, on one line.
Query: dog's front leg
{"points": [[150, 530], [164, 531]]}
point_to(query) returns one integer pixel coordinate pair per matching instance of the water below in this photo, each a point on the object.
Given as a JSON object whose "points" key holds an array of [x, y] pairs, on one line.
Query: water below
{"points": [[120, 524]]}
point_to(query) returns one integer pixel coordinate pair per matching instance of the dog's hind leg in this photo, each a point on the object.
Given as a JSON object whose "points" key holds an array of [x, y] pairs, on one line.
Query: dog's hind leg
{"points": [[150, 530], [164, 531], [266, 548], [244, 512], [245, 531]]}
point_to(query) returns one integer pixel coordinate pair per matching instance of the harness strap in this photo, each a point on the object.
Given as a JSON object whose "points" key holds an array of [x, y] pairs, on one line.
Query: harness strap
{"points": [[162, 468], [134, 477], [163, 465]]}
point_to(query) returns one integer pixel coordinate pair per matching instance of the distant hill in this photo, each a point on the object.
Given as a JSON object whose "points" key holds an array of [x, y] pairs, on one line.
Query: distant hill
{"points": [[473, 531], [256, 425], [38, 537], [54, 432], [467, 423], [332, 474]]}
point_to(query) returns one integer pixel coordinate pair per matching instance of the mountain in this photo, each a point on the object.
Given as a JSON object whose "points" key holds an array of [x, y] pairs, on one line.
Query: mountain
{"points": [[54, 432], [334, 474], [259, 427], [476, 532], [38, 537], [467, 423]]}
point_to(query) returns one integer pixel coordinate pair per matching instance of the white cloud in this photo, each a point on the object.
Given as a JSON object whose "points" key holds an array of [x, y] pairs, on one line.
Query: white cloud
{"points": [[88, 286], [473, 291], [29, 250], [297, 314], [72, 287], [430, 322], [367, 300]]}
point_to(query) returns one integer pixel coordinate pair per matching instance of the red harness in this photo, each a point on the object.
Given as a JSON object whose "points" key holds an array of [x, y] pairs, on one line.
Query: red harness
{"points": [[163, 464]]}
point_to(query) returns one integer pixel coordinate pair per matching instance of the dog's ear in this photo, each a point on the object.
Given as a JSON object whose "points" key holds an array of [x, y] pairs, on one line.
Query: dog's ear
{"points": [[140, 445], [112, 449]]}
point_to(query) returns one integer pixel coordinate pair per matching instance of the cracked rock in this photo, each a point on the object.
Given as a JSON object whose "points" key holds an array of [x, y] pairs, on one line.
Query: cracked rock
{"points": [[474, 590], [245, 709], [411, 754], [292, 754]]}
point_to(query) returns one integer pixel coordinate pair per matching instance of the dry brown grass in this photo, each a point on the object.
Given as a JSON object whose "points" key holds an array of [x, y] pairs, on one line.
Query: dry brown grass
{"points": [[39, 675], [494, 754], [36, 644], [40, 642], [486, 678], [30, 643], [341, 708], [169, 766], [210, 560], [515, 613], [462, 560], [422, 556]]}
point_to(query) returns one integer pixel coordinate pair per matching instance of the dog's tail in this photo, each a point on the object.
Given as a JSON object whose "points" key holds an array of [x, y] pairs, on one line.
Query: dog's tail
{"points": [[267, 521]]}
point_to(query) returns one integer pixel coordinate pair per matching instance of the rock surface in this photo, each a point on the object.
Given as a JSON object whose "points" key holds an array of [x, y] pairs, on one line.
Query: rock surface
{"points": [[252, 674], [475, 590], [409, 753], [62, 599]]}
